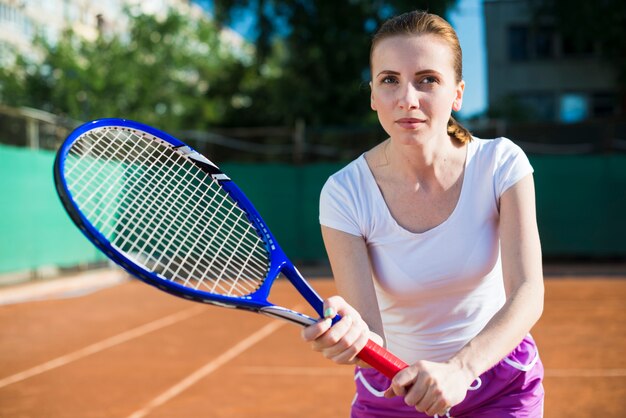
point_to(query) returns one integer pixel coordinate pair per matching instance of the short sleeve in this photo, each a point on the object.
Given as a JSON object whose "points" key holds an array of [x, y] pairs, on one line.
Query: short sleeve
{"points": [[512, 166], [338, 208]]}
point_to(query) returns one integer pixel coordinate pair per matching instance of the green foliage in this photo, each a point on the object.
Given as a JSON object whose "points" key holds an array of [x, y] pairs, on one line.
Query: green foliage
{"points": [[313, 57], [173, 72], [310, 61]]}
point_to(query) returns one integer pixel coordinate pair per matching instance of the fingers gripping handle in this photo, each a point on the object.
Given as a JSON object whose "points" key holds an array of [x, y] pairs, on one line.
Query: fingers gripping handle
{"points": [[377, 356], [381, 359]]}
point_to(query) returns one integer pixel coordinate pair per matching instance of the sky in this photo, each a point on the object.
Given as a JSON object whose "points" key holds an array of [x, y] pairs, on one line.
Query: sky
{"points": [[467, 19]]}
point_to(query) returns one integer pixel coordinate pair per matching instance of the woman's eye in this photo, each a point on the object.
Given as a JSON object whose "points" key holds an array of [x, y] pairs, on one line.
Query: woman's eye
{"points": [[388, 80], [429, 80]]}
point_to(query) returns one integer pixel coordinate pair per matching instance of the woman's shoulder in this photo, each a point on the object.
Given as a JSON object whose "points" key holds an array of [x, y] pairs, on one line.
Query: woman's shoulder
{"points": [[497, 148], [349, 173], [505, 159], [343, 198]]}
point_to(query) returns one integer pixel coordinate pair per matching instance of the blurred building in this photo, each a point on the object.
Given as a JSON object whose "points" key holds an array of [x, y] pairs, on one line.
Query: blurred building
{"points": [[20, 20], [534, 69]]}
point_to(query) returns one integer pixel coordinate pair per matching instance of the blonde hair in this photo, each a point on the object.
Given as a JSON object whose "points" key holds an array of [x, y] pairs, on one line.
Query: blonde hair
{"points": [[422, 23]]}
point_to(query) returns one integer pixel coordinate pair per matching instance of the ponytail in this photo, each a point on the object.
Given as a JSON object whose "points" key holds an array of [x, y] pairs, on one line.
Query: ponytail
{"points": [[458, 131]]}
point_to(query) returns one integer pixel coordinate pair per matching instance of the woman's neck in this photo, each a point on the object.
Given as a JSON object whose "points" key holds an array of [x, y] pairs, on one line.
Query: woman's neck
{"points": [[429, 163]]}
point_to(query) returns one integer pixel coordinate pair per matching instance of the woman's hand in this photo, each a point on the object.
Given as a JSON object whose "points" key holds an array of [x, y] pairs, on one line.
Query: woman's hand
{"points": [[432, 388], [342, 341]]}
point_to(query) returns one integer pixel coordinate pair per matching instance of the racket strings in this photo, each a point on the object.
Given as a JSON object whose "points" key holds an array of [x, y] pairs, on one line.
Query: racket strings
{"points": [[97, 165], [162, 211], [139, 226], [181, 265], [187, 280], [175, 241], [95, 198]]}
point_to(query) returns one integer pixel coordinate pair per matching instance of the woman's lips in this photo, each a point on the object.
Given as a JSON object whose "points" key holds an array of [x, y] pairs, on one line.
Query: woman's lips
{"points": [[409, 123]]}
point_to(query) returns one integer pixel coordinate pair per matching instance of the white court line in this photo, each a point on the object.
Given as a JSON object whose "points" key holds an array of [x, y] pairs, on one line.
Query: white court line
{"points": [[208, 368], [104, 344], [63, 287]]}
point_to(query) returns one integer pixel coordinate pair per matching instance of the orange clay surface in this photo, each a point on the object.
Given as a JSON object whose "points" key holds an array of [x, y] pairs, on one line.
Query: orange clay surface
{"points": [[132, 351]]}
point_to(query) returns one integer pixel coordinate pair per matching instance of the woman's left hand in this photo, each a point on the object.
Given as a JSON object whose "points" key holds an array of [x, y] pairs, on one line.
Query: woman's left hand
{"points": [[432, 388]]}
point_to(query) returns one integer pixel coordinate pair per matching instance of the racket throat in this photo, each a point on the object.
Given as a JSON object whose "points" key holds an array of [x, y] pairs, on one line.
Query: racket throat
{"points": [[297, 280], [287, 315]]}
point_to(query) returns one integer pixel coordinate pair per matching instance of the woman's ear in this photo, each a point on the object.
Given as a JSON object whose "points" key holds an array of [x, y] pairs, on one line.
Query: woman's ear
{"points": [[372, 101], [458, 100]]}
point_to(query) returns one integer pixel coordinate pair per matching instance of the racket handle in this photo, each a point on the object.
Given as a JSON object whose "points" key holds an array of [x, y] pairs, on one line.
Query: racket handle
{"points": [[381, 359]]}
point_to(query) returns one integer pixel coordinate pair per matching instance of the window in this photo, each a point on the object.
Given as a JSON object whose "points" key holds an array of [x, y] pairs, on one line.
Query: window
{"points": [[572, 47], [518, 43], [537, 106], [573, 107], [543, 42], [604, 104], [529, 43]]}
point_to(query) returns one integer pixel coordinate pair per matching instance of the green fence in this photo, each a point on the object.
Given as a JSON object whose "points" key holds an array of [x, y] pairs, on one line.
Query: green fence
{"points": [[34, 229], [581, 203]]}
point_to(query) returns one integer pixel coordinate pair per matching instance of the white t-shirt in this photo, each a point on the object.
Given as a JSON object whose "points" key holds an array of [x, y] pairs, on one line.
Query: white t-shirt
{"points": [[436, 290]]}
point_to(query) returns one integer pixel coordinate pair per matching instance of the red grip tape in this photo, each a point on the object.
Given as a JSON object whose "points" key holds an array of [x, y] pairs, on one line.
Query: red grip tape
{"points": [[381, 359]]}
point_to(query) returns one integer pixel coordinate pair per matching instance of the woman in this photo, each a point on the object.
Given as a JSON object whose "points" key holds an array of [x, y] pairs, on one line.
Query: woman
{"points": [[433, 243]]}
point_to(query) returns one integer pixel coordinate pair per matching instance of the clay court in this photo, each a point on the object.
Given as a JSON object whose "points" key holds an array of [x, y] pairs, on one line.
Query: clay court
{"points": [[128, 350]]}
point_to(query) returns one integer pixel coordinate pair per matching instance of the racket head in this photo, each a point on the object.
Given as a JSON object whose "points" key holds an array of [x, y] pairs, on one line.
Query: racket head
{"points": [[85, 179]]}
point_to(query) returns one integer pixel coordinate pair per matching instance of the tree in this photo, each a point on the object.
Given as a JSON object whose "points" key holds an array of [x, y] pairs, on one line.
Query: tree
{"points": [[312, 57], [175, 73]]}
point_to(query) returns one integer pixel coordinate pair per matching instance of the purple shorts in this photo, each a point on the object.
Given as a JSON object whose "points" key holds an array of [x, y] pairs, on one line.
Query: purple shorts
{"points": [[512, 388]]}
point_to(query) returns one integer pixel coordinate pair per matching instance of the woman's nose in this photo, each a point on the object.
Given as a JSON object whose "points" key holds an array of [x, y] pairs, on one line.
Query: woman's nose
{"points": [[408, 97]]}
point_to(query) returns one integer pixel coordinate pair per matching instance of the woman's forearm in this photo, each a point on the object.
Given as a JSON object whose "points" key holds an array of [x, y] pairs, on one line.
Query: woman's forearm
{"points": [[504, 331]]}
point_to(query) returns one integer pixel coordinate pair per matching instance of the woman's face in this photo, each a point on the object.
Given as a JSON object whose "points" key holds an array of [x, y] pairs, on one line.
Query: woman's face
{"points": [[414, 86]]}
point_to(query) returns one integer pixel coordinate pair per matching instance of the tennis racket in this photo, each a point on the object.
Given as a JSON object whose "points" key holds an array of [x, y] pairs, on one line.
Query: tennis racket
{"points": [[173, 219]]}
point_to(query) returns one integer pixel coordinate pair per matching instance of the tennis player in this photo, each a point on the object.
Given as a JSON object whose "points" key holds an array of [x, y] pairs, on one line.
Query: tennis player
{"points": [[433, 243]]}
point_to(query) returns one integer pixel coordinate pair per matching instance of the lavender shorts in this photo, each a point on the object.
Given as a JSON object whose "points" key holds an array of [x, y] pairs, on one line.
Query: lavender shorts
{"points": [[512, 388]]}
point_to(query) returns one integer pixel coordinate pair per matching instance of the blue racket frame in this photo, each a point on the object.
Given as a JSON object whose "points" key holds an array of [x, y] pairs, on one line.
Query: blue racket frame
{"points": [[279, 263]]}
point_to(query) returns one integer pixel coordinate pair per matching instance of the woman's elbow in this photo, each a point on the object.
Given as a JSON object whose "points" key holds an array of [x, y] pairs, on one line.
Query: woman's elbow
{"points": [[538, 302]]}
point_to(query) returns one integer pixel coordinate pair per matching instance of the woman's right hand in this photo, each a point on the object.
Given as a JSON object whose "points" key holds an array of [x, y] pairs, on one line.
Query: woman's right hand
{"points": [[345, 339]]}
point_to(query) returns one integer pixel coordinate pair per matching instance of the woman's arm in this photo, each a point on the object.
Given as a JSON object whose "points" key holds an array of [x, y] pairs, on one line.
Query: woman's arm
{"points": [[433, 387], [523, 281], [353, 274], [358, 305]]}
